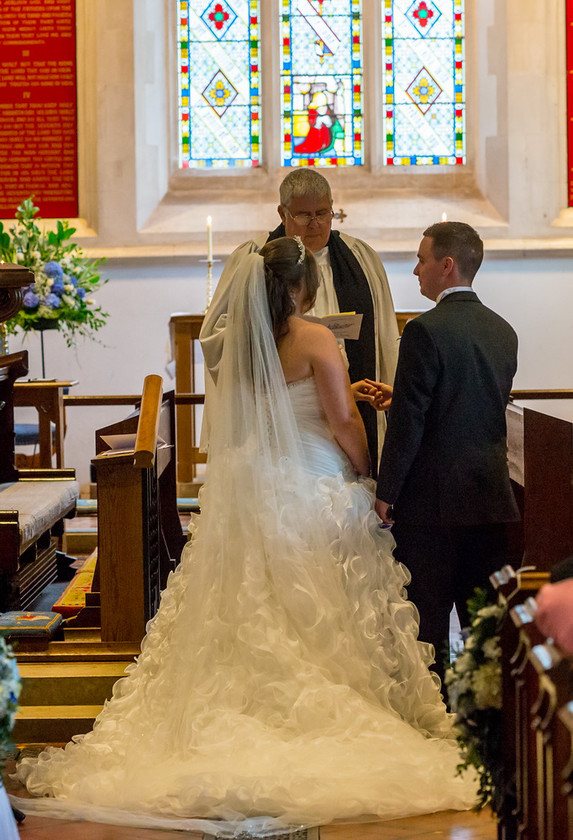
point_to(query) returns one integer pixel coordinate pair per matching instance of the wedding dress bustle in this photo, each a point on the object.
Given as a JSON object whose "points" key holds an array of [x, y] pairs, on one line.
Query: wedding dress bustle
{"points": [[288, 683], [281, 681]]}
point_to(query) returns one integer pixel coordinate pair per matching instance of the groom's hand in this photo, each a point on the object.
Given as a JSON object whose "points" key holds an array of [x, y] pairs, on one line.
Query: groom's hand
{"points": [[378, 394], [384, 511], [384, 394]]}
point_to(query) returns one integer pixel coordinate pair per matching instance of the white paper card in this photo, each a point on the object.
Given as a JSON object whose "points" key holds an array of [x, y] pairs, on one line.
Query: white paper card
{"points": [[343, 324], [125, 444], [120, 443]]}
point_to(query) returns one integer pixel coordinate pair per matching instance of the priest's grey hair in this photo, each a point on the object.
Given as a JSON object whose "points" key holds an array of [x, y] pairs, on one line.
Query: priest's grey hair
{"points": [[304, 182]]}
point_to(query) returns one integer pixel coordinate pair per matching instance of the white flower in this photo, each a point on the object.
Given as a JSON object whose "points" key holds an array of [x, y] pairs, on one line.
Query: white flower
{"points": [[457, 688], [492, 611], [486, 684], [90, 301], [491, 648], [50, 281], [68, 287], [35, 255], [463, 663], [470, 643], [4, 698]]}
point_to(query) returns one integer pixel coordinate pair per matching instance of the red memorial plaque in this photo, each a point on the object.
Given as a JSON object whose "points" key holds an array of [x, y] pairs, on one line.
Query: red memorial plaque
{"points": [[569, 25], [38, 111]]}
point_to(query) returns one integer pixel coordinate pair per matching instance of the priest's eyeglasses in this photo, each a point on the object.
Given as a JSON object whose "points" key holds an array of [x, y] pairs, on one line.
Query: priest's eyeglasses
{"points": [[323, 217]]}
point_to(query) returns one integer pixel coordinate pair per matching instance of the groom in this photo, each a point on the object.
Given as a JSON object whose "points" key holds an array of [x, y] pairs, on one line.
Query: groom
{"points": [[443, 473]]}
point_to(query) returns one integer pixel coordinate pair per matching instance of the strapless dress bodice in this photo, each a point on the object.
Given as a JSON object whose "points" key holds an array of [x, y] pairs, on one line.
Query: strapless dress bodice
{"points": [[322, 454]]}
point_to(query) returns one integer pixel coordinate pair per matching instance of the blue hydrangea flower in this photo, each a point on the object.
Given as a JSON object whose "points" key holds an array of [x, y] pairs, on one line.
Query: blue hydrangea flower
{"points": [[31, 299], [58, 287], [81, 293], [74, 281], [51, 300], [54, 270]]}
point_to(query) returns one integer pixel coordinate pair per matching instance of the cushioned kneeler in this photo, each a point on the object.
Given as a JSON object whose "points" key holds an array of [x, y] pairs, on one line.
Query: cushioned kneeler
{"points": [[73, 598], [40, 625]]}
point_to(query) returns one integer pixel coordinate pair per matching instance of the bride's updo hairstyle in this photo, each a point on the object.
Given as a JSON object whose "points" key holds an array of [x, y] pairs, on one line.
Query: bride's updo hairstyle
{"points": [[285, 275]]}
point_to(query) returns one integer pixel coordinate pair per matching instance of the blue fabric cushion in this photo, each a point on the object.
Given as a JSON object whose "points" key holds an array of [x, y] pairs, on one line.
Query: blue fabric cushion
{"points": [[40, 624], [28, 434]]}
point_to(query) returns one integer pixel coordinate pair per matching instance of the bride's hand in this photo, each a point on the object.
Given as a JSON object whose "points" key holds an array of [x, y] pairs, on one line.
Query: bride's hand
{"points": [[378, 394]]}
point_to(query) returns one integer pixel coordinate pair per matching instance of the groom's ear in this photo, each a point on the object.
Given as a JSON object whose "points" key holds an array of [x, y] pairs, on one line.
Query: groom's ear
{"points": [[281, 213], [449, 265]]}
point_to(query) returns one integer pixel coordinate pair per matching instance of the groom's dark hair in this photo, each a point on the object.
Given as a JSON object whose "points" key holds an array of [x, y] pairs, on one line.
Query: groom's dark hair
{"points": [[459, 241]]}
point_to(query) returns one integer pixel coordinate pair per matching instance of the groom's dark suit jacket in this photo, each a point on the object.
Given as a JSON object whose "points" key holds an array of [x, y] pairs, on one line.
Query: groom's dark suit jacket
{"points": [[445, 454]]}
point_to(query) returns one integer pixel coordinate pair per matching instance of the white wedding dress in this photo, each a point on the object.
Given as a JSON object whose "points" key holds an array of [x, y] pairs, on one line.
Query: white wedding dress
{"points": [[281, 682]]}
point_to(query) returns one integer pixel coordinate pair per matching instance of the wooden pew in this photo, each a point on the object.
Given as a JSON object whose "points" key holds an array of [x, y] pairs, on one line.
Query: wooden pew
{"points": [[554, 689], [526, 688], [139, 532], [537, 685], [513, 590], [566, 718], [33, 504]]}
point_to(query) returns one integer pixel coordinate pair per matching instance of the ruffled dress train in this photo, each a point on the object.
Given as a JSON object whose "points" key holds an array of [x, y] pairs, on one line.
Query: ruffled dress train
{"points": [[281, 681]]}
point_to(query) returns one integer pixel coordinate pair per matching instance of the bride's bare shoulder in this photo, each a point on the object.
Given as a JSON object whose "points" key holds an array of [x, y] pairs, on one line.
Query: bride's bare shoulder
{"points": [[315, 340], [311, 331]]}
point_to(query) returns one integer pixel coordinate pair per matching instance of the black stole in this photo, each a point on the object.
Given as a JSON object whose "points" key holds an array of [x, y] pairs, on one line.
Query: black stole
{"points": [[353, 295]]}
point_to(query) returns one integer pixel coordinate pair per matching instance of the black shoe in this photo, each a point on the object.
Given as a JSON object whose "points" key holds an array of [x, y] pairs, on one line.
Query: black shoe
{"points": [[19, 816]]}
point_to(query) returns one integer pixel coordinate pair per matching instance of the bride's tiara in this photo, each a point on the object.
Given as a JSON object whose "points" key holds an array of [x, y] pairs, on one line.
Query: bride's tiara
{"points": [[298, 241]]}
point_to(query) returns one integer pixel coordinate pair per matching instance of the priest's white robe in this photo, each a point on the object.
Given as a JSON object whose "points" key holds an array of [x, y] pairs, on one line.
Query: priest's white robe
{"points": [[385, 325]]}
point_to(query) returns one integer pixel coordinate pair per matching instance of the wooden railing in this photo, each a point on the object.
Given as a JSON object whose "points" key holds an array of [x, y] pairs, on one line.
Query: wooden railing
{"points": [[548, 394]]}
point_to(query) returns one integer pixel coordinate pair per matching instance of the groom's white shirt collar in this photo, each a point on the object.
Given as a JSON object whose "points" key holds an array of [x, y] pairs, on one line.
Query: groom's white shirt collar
{"points": [[449, 291]]}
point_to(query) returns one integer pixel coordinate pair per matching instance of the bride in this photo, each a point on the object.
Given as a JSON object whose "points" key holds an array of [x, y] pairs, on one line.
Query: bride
{"points": [[281, 682]]}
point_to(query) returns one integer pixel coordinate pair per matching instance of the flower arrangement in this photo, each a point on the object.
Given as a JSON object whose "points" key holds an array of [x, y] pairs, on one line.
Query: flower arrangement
{"points": [[9, 693], [474, 691], [61, 295]]}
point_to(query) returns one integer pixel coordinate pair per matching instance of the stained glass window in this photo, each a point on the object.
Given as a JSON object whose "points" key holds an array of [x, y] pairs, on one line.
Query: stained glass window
{"points": [[424, 81], [321, 81], [219, 61]]}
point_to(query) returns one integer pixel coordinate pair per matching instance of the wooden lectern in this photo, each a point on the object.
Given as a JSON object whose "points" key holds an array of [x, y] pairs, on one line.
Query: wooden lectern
{"points": [[540, 443]]}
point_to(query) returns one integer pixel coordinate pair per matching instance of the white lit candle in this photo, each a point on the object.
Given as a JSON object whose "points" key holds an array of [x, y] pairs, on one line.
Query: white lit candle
{"points": [[444, 217], [209, 239]]}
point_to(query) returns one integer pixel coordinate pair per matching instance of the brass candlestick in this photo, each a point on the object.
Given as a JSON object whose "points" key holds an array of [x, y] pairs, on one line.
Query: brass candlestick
{"points": [[209, 285], [209, 288]]}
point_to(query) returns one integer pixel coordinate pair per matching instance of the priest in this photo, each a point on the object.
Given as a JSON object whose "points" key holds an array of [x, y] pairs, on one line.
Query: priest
{"points": [[352, 280]]}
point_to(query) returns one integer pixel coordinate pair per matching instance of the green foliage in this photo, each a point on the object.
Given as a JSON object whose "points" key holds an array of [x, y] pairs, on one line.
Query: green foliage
{"points": [[64, 278], [474, 691]]}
